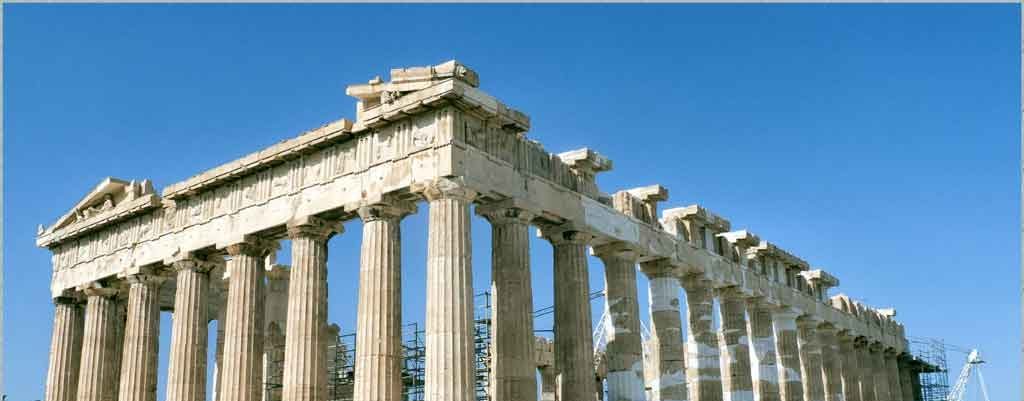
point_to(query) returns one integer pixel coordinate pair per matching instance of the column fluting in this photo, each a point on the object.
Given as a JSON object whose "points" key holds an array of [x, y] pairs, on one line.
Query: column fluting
{"points": [[737, 383], [849, 367], [624, 350], [831, 361], [242, 378], [186, 372], [787, 355], [893, 375], [765, 370], [810, 360], [703, 365], [667, 332], [574, 348], [141, 339], [65, 349], [879, 374], [865, 376], [98, 342]]}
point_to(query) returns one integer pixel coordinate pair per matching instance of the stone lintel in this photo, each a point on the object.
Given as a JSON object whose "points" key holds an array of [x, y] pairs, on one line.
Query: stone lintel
{"points": [[696, 214], [586, 160]]}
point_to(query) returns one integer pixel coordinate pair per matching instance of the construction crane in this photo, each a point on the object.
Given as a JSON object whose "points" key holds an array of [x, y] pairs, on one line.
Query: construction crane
{"points": [[971, 368]]}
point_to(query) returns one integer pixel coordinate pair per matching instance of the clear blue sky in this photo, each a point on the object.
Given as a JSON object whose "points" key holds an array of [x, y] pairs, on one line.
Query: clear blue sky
{"points": [[880, 142]]}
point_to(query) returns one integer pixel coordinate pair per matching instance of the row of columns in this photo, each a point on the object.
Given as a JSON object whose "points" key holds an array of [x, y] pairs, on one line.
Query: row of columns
{"points": [[786, 361]]}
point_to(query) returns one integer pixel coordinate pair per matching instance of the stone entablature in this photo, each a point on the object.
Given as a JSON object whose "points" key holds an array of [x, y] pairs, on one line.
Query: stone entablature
{"points": [[427, 123]]}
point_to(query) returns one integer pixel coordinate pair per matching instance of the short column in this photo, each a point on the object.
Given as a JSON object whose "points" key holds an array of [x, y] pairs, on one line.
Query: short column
{"points": [[574, 348], [141, 339], [98, 343], [791, 386], [186, 373], [513, 375], [849, 367], [242, 378], [879, 373], [810, 360], [736, 375], [703, 365], [667, 347], [831, 360], [379, 318], [765, 372], [624, 350], [304, 362], [65, 349], [865, 364], [892, 373], [450, 372]]}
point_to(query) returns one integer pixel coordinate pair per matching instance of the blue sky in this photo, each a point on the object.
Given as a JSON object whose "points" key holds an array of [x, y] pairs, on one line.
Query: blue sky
{"points": [[879, 142]]}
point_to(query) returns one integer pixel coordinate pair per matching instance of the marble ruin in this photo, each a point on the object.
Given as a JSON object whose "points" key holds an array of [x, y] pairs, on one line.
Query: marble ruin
{"points": [[203, 248]]}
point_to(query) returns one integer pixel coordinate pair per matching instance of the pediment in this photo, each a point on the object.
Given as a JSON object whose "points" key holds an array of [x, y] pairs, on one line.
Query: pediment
{"points": [[110, 197]]}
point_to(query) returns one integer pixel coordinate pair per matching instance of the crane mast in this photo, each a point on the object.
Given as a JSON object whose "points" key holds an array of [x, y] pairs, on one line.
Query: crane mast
{"points": [[973, 365]]}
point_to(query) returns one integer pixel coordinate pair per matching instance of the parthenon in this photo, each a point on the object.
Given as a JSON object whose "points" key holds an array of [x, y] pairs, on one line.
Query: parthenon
{"points": [[204, 249]]}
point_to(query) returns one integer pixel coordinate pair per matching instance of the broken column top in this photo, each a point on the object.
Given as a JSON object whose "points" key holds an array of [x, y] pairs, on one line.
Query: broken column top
{"points": [[650, 193], [586, 160], [700, 215], [741, 238], [769, 249], [410, 79], [821, 277]]}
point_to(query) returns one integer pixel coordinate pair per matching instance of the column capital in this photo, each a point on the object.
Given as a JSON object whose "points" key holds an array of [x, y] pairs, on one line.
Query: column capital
{"points": [[96, 289], [312, 226], [807, 322], [564, 234], [386, 210], [616, 249], [784, 312], [145, 279], [828, 329], [876, 347], [69, 297], [200, 265], [659, 268], [444, 188], [253, 246], [505, 213]]}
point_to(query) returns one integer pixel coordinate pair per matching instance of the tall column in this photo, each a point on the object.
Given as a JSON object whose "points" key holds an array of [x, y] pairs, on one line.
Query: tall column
{"points": [[65, 349], [831, 360], [906, 378], [736, 375], [186, 373], [865, 365], [667, 332], [849, 367], [574, 349], [893, 374], [810, 360], [379, 325], [513, 366], [242, 378], [548, 384], [787, 355], [765, 372], [703, 366], [141, 339], [218, 358], [275, 326], [98, 342], [304, 362], [624, 351], [879, 374], [450, 372], [114, 356]]}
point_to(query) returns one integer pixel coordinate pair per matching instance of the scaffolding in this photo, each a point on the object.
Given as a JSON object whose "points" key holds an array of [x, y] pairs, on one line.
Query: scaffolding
{"points": [[934, 382]]}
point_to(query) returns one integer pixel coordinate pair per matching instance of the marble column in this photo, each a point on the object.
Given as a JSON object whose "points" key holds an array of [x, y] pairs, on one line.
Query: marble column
{"points": [[116, 346], [513, 374], [379, 318], [737, 383], [624, 350], [141, 339], [849, 367], [765, 370], [65, 349], [865, 365], [879, 373], [242, 377], [787, 355], [186, 373], [831, 360], [98, 343], [906, 378], [548, 384], [703, 365], [574, 348], [450, 371], [669, 352], [304, 362], [892, 374], [810, 360], [218, 358]]}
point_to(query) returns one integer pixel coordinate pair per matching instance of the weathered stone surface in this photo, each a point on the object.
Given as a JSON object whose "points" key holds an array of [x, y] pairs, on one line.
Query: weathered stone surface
{"points": [[669, 352], [573, 338], [624, 350], [810, 360], [866, 364], [787, 355], [892, 374], [142, 331], [850, 367], [736, 372], [879, 377], [186, 377], [243, 346], [765, 370], [703, 368], [65, 349], [98, 344], [831, 361]]}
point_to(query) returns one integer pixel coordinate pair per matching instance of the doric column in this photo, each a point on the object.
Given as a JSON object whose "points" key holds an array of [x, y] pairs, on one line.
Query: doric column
{"points": [[787, 355], [307, 310], [669, 353], [865, 367], [275, 326], [624, 350], [513, 375], [450, 372], [379, 325], [242, 378], [186, 373], [65, 349], [849, 367], [831, 360], [117, 345], [879, 373], [703, 365], [218, 358], [736, 375], [810, 360], [141, 339], [765, 371], [574, 348], [907, 377], [548, 386], [98, 343], [892, 373]]}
